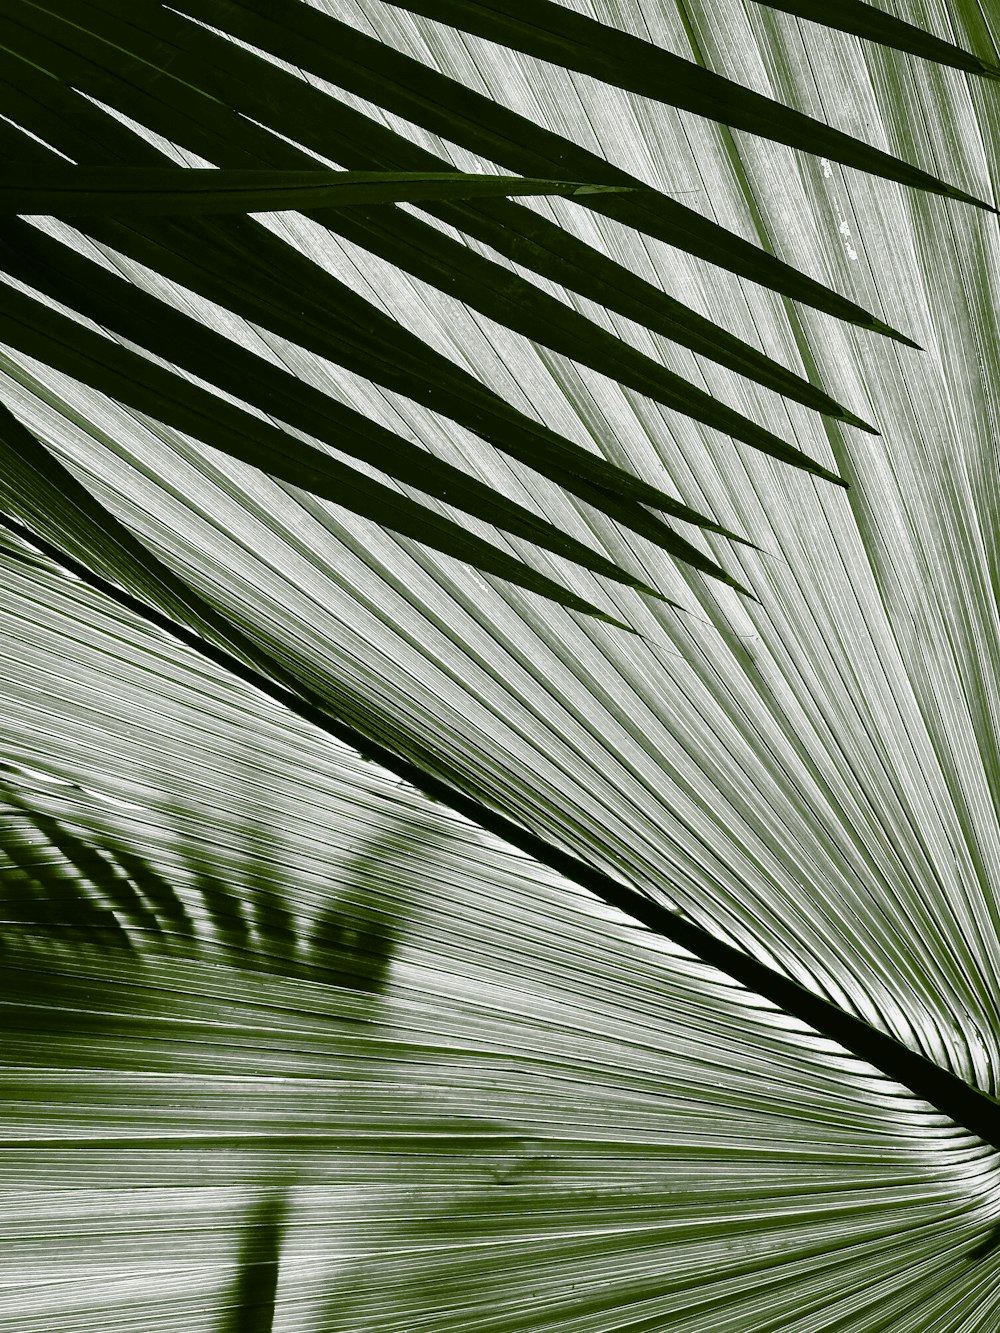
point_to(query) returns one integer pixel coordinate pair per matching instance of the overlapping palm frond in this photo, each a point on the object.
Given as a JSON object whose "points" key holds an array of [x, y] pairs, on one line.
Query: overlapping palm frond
{"points": [[61, 57], [404, 474], [537, 1116]]}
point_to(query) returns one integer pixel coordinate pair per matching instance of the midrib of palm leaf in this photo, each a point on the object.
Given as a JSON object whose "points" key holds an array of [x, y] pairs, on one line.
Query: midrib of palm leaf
{"points": [[597, 1102]]}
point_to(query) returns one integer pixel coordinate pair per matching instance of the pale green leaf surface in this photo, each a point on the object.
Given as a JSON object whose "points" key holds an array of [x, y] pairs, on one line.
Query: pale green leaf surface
{"points": [[743, 859], [814, 774], [547, 1120]]}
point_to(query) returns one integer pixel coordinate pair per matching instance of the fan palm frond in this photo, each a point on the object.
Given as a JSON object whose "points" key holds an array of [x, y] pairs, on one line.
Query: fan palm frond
{"points": [[512, 1110], [403, 475]]}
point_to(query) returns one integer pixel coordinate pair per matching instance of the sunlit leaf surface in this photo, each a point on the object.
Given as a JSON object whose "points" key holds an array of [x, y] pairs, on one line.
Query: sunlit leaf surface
{"points": [[479, 1095], [487, 1101]]}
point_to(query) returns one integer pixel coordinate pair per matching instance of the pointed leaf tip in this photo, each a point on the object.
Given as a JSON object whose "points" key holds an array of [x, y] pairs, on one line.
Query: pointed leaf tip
{"points": [[887, 331], [849, 419], [647, 590], [817, 470], [742, 589], [902, 338], [972, 199], [617, 624]]}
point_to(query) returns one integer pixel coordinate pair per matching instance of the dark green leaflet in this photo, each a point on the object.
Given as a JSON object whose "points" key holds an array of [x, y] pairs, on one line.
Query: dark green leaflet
{"points": [[113, 303], [350, 59], [877, 26], [136, 382], [530, 312], [234, 277], [552, 32], [73, 191]]}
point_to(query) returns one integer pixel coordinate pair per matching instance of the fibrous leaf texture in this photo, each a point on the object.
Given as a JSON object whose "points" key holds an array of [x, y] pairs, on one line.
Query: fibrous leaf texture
{"points": [[291, 1046]]}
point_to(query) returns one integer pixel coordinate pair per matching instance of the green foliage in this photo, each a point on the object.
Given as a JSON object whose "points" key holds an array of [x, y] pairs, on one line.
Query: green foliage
{"points": [[648, 978]]}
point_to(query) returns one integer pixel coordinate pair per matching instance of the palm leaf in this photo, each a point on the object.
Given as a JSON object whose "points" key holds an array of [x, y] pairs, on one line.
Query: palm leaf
{"points": [[807, 779], [668, 1112], [866, 21], [275, 927], [121, 192]]}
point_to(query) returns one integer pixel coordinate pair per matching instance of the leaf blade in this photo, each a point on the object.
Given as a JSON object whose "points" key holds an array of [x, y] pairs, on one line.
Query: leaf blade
{"points": [[551, 32], [875, 25], [79, 191]]}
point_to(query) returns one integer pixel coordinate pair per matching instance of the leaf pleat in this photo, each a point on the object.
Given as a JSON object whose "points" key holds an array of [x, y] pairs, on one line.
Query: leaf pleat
{"points": [[351, 59], [550, 31], [545, 1119], [411, 359]]}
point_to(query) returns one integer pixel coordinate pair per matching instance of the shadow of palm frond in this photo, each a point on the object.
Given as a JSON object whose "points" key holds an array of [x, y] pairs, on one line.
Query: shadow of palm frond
{"points": [[254, 1297], [69, 887], [91, 912], [175, 1025]]}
